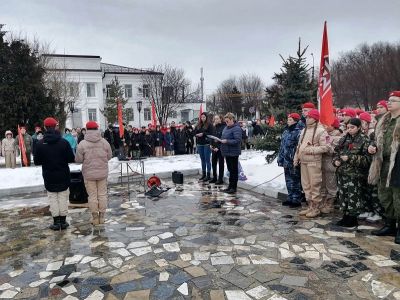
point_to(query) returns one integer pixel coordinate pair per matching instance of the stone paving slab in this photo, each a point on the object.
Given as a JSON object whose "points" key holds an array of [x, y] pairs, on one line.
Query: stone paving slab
{"points": [[195, 243]]}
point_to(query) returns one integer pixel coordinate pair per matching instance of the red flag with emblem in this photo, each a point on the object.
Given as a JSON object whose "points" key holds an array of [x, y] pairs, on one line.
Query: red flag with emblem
{"points": [[324, 84], [120, 121], [153, 114], [22, 147]]}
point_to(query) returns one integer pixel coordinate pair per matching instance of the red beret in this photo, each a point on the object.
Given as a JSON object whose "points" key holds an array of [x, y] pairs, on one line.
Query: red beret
{"points": [[336, 123], [91, 125], [383, 103], [349, 112], [314, 113], [359, 111], [394, 94], [365, 117], [50, 122], [294, 116], [308, 105]]}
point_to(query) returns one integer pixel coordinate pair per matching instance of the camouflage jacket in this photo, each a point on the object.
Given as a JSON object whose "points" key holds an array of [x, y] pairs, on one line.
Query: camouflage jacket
{"points": [[356, 148]]}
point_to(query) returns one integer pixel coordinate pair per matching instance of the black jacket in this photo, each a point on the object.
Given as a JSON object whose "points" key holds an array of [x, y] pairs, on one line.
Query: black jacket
{"points": [[180, 142], [136, 141], [218, 133], [257, 130], [54, 153], [204, 140]]}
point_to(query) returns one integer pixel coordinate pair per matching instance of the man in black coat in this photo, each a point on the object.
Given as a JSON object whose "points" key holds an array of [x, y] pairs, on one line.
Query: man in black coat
{"points": [[54, 153]]}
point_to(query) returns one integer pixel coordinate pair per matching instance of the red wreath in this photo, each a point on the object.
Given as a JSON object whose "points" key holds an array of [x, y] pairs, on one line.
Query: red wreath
{"points": [[153, 180]]}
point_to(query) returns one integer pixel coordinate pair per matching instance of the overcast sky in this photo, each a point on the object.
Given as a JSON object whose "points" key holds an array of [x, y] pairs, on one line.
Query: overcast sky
{"points": [[228, 37]]}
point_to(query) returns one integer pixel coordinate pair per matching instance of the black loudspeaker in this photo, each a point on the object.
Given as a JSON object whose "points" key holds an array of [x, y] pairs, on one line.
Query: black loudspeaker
{"points": [[77, 189], [177, 177]]}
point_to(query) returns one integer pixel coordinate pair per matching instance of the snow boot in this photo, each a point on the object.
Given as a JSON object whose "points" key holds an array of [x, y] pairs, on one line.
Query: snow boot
{"points": [[56, 224], [389, 229], [327, 208], [202, 177], [101, 218], [95, 219], [63, 222]]}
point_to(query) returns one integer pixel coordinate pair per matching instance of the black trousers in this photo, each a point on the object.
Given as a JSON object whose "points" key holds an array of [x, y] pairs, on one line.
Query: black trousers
{"points": [[189, 149], [232, 162], [217, 158]]}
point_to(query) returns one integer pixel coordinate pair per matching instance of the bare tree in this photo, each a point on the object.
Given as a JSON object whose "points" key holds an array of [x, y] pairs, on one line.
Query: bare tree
{"points": [[251, 87], [169, 88]]}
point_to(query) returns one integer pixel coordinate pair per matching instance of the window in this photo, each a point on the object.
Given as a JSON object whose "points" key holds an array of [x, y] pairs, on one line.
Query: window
{"points": [[90, 89], [128, 90], [108, 90], [146, 91], [74, 89], [173, 114], [147, 114], [92, 114], [129, 114]]}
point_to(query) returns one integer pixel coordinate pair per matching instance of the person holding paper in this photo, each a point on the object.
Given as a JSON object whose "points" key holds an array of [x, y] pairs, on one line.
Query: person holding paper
{"points": [[204, 128], [217, 157]]}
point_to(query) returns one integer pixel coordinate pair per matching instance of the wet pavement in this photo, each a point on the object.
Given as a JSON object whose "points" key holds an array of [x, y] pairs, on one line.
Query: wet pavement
{"points": [[197, 243]]}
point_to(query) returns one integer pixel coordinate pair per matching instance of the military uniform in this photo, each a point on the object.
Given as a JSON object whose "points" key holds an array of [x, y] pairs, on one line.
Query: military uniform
{"points": [[352, 174]]}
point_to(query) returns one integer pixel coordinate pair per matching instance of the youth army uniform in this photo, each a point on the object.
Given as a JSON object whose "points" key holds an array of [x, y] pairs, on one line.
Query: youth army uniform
{"points": [[352, 174]]}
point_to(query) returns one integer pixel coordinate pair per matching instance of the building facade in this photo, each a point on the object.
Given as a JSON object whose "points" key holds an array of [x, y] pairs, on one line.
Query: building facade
{"points": [[88, 81]]}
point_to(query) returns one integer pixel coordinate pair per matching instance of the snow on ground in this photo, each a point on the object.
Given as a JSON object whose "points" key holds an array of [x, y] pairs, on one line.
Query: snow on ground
{"points": [[256, 169]]}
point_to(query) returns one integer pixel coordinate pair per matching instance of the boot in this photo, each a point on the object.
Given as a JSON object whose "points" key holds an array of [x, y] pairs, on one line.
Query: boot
{"points": [[389, 229], [95, 219], [63, 222], [306, 211], [101, 218], [214, 180], [342, 221], [397, 238], [202, 177], [227, 189], [56, 224], [207, 178], [314, 211], [351, 221], [220, 181], [328, 207], [231, 191]]}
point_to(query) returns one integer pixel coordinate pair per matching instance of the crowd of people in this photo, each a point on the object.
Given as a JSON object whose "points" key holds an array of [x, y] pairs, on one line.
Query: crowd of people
{"points": [[354, 162]]}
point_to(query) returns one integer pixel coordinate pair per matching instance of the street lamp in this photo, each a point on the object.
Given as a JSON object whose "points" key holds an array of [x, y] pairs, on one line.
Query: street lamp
{"points": [[71, 106], [139, 108]]}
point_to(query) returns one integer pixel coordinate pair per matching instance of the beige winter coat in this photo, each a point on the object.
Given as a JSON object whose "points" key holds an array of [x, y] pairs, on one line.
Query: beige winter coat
{"points": [[332, 140], [94, 152], [312, 144], [8, 145]]}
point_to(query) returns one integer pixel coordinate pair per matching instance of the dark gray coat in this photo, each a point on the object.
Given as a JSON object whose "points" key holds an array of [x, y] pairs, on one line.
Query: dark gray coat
{"points": [[234, 136]]}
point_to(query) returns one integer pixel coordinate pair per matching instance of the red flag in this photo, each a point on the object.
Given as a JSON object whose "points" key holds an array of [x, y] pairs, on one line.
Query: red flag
{"points": [[271, 121], [324, 84], [21, 143], [201, 110], [153, 115], [120, 121]]}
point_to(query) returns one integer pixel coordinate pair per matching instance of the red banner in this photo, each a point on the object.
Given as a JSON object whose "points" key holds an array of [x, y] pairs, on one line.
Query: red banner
{"points": [[324, 84], [153, 114], [120, 121], [22, 148]]}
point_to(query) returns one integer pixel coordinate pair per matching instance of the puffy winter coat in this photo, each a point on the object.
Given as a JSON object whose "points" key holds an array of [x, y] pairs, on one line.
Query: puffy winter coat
{"points": [[71, 140], [312, 144], [94, 152], [54, 153], [233, 134], [8, 144], [287, 150]]}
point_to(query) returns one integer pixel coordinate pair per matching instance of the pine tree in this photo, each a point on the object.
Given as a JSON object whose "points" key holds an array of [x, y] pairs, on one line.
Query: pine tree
{"points": [[24, 98], [115, 94], [293, 85]]}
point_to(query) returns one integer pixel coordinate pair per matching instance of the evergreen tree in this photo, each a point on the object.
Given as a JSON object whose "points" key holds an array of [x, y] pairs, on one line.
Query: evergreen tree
{"points": [[115, 93], [24, 98], [293, 85]]}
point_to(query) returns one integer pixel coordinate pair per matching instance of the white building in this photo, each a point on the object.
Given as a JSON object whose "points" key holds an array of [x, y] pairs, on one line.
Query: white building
{"points": [[89, 78]]}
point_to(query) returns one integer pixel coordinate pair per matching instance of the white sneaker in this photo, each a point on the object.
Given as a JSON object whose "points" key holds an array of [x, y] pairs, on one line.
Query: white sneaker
{"points": [[365, 215], [374, 218]]}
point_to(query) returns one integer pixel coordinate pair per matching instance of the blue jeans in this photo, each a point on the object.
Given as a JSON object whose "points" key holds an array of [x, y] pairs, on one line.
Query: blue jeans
{"points": [[205, 156]]}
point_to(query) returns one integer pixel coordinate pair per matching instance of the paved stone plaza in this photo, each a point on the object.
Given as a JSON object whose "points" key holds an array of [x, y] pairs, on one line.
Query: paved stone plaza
{"points": [[193, 244]]}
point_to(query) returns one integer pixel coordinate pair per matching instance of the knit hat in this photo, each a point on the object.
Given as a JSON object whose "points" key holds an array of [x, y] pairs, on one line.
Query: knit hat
{"points": [[355, 122], [50, 122], [294, 116], [394, 94], [349, 112], [308, 105], [314, 113], [365, 117], [91, 125], [336, 123], [383, 103]]}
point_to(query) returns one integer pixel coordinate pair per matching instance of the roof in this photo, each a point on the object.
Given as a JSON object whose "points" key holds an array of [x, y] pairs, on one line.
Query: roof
{"points": [[68, 55], [115, 69]]}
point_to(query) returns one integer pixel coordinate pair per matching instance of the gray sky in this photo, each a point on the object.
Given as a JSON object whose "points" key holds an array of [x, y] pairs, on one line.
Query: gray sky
{"points": [[228, 37]]}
